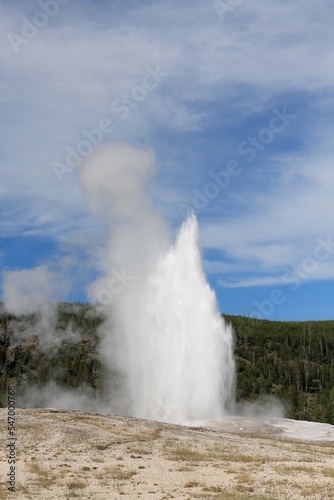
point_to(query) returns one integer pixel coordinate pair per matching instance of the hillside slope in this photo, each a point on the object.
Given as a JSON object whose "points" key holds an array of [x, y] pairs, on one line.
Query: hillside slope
{"points": [[291, 360]]}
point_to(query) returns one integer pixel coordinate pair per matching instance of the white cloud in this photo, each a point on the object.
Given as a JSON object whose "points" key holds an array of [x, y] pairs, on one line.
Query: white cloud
{"points": [[282, 227], [65, 79]]}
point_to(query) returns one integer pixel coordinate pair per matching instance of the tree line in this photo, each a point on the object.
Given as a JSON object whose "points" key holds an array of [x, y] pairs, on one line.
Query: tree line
{"points": [[293, 361]]}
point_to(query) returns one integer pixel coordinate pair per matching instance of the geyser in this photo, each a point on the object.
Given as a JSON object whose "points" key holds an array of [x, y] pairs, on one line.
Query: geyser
{"points": [[181, 365], [164, 330]]}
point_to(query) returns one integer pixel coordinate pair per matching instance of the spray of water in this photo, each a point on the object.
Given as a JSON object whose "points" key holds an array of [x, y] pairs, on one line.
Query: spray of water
{"points": [[164, 332], [184, 368]]}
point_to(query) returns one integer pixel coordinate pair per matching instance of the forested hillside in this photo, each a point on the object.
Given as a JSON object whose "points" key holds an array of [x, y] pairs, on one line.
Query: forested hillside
{"points": [[68, 362], [291, 360]]}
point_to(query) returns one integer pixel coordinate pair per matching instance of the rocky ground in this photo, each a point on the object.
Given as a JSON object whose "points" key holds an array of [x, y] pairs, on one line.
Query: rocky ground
{"points": [[68, 454]]}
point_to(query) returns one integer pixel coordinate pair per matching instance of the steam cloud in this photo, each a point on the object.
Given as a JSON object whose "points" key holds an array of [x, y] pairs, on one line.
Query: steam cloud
{"points": [[264, 407], [28, 291], [163, 330]]}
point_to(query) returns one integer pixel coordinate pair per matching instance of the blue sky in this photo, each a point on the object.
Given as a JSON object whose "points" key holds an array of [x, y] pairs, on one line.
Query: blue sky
{"points": [[239, 114]]}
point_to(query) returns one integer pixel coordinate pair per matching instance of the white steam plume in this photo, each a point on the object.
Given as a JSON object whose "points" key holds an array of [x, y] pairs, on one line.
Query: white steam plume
{"points": [[164, 330], [28, 290], [36, 290]]}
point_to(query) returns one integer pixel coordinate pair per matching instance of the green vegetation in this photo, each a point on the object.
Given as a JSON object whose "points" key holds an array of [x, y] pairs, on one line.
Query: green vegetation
{"points": [[293, 361], [67, 363]]}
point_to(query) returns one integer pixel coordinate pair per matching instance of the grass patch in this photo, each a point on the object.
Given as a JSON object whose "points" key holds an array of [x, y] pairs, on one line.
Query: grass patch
{"points": [[310, 490], [44, 478], [147, 436], [90, 421], [139, 450], [36, 468], [238, 495], [76, 485], [118, 472], [122, 475], [185, 468], [191, 484], [328, 472], [242, 458], [182, 453], [291, 469], [102, 446], [245, 478]]}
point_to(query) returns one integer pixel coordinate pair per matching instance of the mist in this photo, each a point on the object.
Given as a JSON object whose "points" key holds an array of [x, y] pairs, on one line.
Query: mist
{"points": [[51, 395], [164, 331], [167, 350], [34, 292], [265, 406]]}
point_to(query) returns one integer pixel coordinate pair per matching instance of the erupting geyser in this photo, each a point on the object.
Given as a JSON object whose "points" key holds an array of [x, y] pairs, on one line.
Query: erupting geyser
{"points": [[165, 332], [184, 369]]}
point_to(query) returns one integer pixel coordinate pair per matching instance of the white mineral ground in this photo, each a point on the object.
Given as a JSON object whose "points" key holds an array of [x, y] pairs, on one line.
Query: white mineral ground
{"points": [[68, 454]]}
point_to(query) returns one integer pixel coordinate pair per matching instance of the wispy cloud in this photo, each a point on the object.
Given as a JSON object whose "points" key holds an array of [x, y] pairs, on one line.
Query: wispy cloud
{"points": [[224, 79], [283, 225]]}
